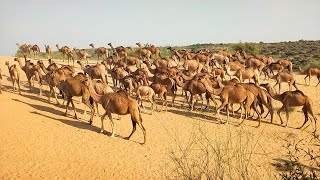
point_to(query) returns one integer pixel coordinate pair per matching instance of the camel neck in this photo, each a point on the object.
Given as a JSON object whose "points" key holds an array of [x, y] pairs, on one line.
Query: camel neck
{"points": [[207, 85], [180, 83], [273, 94], [96, 97]]}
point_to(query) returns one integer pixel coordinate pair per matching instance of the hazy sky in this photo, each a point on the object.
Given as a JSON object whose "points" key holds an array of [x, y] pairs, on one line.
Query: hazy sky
{"points": [[161, 22]]}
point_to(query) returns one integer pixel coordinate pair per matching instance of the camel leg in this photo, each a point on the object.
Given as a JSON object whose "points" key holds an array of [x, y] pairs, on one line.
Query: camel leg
{"points": [[219, 108], [55, 96], [67, 106], [13, 81], [134, 124], [306, 118], [287, 116], [278, 112], [86, 102], [74, 109], [152, 104], [18, 81], [112, 124], [102, 118], [191, 102], [97, 109]]}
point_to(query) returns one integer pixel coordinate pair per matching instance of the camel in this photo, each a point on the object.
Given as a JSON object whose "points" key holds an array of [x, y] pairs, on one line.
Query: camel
{"points": [[31, 70], [255, 64], [14, 75], [65, 50], [293, 99], [245, 73], [36, 50], [310, 72], [130, 60], [25, 49], [178, 54], [274, 67], [97, 71], [238, 94], [101, 51], [48, 51], [219, 59], [145, 91], [121, 51], [101, 89], [264, 59], [154, 50], [161, 90], [118, 103], [52, 65], [165, 62], [81, 54], [117, 74], [72, 86], [70, 58], [143, 52], [286, 64], [284, 77], [192, 65], [218, 72]]}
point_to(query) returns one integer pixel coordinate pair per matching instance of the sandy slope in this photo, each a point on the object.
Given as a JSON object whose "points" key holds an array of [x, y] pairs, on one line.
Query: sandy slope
{"points": [[38, 142]]}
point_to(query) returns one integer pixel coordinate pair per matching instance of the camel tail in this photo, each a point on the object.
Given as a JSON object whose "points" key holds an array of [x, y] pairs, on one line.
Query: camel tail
{"points": [[301, 71]]}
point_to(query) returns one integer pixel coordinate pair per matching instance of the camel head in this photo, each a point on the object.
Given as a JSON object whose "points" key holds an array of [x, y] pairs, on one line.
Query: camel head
{"points": [[109, 44], [138, 44], [7, 63]]}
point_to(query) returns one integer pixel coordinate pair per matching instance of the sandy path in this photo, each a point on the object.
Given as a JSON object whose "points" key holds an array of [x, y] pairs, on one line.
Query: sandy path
{"points": [[38, 142]]}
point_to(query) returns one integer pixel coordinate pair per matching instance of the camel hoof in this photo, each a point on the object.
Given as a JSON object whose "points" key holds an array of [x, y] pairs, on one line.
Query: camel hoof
{"points": [[75, 117], [101, 131], [126, 138], [90, 122]]}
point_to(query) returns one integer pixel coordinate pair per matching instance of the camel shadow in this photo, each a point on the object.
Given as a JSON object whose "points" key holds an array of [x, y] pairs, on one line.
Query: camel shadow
{"points": [[194, 114], [285, 165]]}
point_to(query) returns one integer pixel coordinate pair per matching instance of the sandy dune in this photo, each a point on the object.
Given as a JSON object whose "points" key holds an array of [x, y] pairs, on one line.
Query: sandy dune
{"points": [[38, 142]]}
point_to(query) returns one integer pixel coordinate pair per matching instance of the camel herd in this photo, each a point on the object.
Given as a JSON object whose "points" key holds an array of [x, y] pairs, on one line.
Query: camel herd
{"points": [[225, 79]]}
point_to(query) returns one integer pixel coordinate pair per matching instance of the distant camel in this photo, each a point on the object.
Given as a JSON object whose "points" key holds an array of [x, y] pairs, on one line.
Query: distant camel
{"points": [[284, 77], [122, 51], [101, 51], [143, 52], [293, 99], [310, 72], [82, 54], [14, 75], [118, 103], [65, 50], [48, 51], [286, 64], [36, 50], [25, 49]]}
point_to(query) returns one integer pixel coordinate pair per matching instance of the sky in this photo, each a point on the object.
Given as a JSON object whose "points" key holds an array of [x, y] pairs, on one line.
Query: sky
{"points": [[166, 22]]}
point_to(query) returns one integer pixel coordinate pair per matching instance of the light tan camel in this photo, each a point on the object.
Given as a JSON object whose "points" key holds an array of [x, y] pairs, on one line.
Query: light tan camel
{"points": [[65, 50], [192, 65], [97, 71], [218, 72], [101, 51], [101, 88], [118, 103], [36, 50], [14, 75], [284, 77], [121, 51], [145, 91], [310, 72], [70, 57], [245, 73], [82, 54], [71, 87], [31, 70], [165, 62], [25, 49], [143, 52], [255, 64], [286, 64], [48, 51], [238, 94], [161, 90], [293, 99]]}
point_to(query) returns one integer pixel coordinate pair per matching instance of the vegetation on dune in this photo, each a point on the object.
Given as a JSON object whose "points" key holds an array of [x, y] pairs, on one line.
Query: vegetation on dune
{"points": [[303, 53]]}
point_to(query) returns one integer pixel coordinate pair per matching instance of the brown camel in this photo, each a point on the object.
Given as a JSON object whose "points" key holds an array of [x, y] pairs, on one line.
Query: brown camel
{"points": [[70, 57], [31, 70], [165, 62], [143, 52], [273, 67], [310, 72], [255, 64], [161, 90], [14, 75], [192, 65], [293, 99], [154, 50], [245, 73], [97, 71], [284, 77], [118, 74], [118, 103], [218, 72], [121, 51], [65, 50], [238, 94], [71, 87], [36, 50], [48, 51], [178, 54], [286, 64], [25, 49], [145, 91], [101, 51], [82, 54]]}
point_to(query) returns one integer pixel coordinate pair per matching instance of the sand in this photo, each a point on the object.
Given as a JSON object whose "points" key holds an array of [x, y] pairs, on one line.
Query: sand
{"points": [[38, 141]]}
